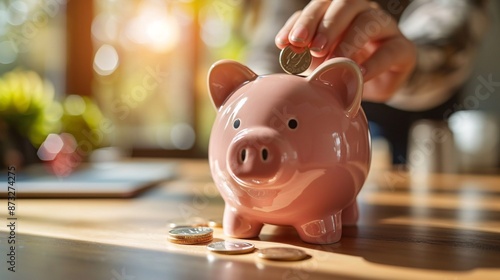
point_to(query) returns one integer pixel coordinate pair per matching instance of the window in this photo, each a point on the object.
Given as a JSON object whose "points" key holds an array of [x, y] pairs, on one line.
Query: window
{"points": [[142, 62]]}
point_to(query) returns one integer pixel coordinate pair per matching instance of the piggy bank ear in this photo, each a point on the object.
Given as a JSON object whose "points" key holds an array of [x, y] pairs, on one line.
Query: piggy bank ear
{"points": [[224, 77], [345, 77]]}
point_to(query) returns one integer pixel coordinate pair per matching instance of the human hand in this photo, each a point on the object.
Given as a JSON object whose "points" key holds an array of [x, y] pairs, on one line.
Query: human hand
{"points": [[357, 29]]}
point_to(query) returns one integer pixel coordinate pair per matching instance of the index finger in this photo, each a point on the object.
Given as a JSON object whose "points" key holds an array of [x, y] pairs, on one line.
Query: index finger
{"points": [[281, 38], [305, 25]]}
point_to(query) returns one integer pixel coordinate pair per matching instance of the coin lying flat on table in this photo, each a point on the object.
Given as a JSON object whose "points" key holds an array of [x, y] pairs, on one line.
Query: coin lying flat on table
{"points": [[282, 254], [190, 235], [231, 247], [295, 63]]}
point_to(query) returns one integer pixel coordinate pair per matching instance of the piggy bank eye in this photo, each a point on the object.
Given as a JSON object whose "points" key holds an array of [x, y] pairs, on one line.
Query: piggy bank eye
{"points": [[236, 123], [292, 123]]}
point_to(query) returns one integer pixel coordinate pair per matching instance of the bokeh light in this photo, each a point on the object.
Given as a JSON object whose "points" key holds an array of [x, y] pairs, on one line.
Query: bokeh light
{"points": [[17, 12], [183, 136], [154, 28], [106, 60], [105, 28], [215, 32], [74, 105], [3, 19], [50, 147], [163, 34], [7, 52]]}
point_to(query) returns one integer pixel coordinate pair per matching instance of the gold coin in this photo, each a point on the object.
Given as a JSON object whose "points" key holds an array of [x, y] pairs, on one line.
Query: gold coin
{"points": [[282, 254], [190, 232], [216, 223], [295, 63], [231, 247], [190, 241]]}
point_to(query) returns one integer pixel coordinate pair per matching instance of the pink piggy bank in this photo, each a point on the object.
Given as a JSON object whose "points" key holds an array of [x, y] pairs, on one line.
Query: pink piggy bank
{"points": [[289, 150]]}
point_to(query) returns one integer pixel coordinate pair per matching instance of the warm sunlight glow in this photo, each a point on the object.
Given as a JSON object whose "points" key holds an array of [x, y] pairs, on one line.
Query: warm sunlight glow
{"points": [[154, 28], [163, 34]]}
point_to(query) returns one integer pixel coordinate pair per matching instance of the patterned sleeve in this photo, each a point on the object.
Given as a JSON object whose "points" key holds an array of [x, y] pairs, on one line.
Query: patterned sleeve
{"points": [[447, 35]]}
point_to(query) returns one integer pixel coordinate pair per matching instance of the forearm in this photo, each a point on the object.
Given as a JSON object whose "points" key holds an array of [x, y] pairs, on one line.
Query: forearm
{"points": [[447, 36]]}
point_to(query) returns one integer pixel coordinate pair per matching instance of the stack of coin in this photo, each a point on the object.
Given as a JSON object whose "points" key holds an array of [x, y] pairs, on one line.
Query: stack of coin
{"points": [[282, 254], [190, 235]]}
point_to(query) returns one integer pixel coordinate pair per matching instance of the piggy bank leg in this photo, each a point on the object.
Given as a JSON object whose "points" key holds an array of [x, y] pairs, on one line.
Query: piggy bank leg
{"points": [[350, 214], [236, 225], [326, 230]]}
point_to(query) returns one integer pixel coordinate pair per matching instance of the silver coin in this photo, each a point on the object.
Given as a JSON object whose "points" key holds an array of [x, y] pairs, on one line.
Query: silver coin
{"points": [[282, 254], [295, 63], [231, 247], [190, 232], [190, 222]]}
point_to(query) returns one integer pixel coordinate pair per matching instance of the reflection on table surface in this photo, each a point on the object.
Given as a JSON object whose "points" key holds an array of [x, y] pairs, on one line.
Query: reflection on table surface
{"points": [[412, 226]]}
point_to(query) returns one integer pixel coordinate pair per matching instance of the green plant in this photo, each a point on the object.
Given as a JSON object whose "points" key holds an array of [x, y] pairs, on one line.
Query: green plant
{"points": [[27, 105]]}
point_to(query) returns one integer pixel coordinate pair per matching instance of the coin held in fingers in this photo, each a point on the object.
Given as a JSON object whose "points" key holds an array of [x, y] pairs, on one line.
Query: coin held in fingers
{"points": [[295, 63]]}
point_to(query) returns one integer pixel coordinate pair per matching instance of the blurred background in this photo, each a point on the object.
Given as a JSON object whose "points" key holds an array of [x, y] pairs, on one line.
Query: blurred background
{"points": [[81, 75]]}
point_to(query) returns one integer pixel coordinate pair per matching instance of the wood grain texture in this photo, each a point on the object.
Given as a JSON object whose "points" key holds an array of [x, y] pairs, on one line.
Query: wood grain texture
{"points": [[412, 226]]}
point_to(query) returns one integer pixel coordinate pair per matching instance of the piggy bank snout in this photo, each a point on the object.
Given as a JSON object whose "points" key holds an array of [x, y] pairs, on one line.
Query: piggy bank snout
{"points": [[255, 155]]}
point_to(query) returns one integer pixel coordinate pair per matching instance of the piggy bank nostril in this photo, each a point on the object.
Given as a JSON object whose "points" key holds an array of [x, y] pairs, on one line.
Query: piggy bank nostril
{"points": [[265, 154], [243, 155]]}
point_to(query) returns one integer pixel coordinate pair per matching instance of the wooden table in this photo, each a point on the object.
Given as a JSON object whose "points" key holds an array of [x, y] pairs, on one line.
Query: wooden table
{"points": [[412, 226]]}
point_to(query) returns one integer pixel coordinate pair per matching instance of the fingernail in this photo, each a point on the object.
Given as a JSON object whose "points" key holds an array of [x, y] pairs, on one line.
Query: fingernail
{"points": [[281, 39], [318, 43], [299, 34]]}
